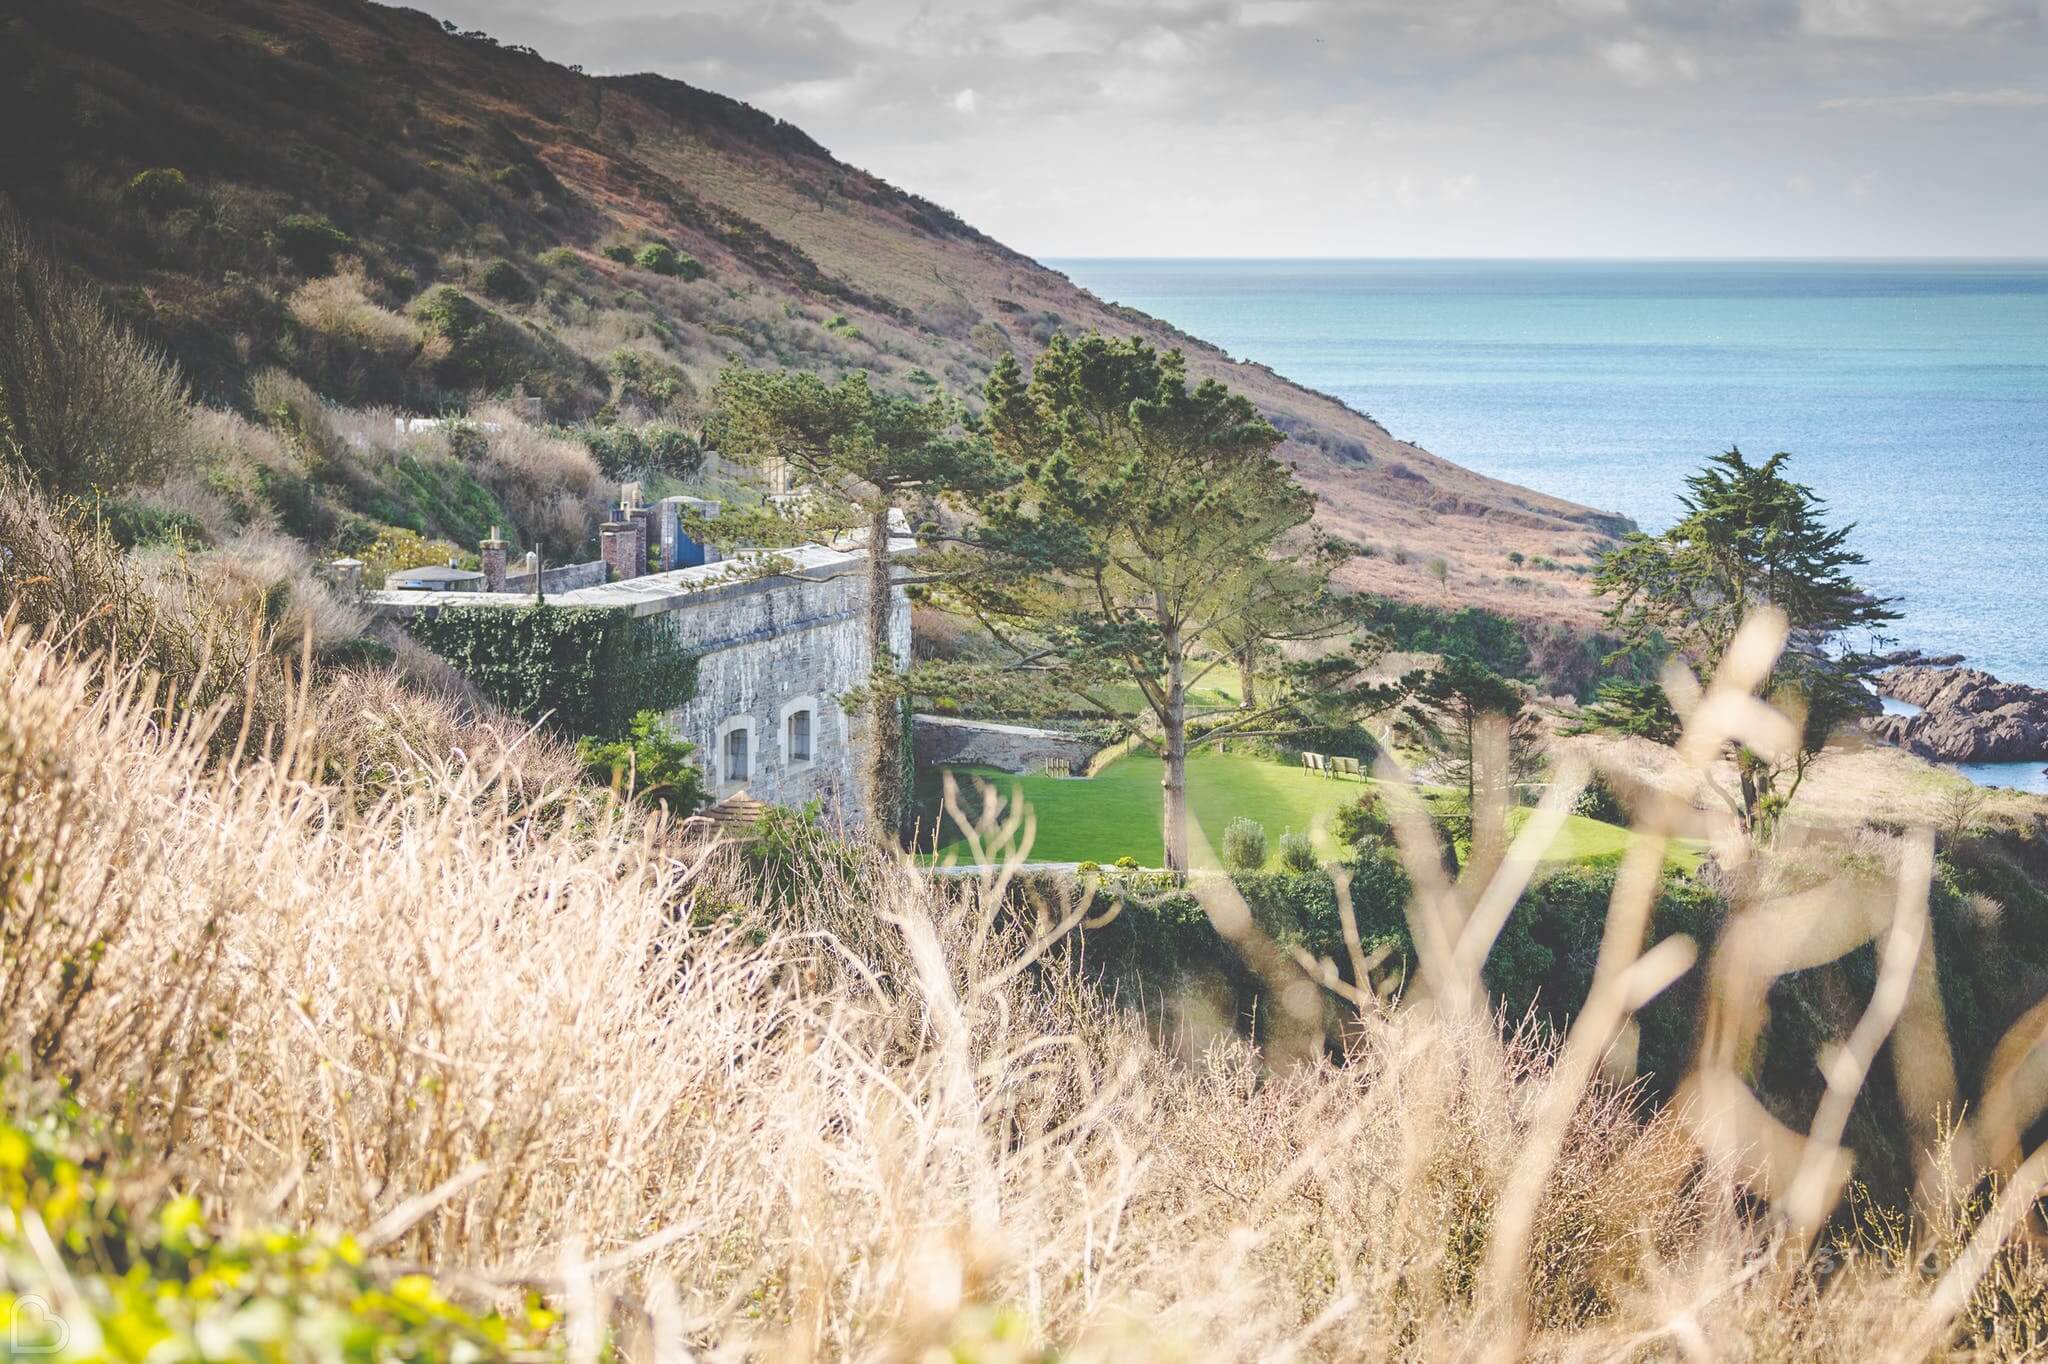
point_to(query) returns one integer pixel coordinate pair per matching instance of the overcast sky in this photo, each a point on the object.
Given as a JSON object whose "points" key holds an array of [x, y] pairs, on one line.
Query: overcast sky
{"points": [[1390, 127]]}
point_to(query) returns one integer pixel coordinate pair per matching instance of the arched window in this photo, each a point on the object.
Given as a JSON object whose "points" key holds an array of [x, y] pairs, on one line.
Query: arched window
{"points": [[800, 734], [736, 755]]}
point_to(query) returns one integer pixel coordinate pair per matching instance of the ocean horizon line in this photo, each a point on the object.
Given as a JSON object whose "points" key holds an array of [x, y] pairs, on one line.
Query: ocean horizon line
{"points": [[2006, 261]]}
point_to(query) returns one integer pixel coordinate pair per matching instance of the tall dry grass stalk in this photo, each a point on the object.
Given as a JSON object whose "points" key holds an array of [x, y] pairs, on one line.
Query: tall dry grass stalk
{"points": [[894, 1117]]}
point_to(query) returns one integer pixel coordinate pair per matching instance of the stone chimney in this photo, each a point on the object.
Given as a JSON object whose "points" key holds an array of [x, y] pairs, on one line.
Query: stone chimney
{"points": [[491, 555], [625, 555], [348, 576]]}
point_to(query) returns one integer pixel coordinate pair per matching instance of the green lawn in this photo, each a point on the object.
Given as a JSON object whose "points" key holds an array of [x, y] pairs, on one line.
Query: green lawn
{"points": [[1116, 814]]}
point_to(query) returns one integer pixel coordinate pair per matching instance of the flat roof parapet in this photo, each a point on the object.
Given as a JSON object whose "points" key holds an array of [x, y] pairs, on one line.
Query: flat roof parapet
{"points": [[655, 593]]}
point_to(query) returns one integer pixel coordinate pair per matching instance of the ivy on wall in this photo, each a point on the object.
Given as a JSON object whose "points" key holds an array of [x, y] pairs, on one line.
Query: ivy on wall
{"points": [[584, 671]]}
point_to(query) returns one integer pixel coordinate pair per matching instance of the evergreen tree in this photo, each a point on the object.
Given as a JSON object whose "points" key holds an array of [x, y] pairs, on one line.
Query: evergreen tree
{"points": [[1486, 740], [859, 455], [1137, 545], [1753, 538]]}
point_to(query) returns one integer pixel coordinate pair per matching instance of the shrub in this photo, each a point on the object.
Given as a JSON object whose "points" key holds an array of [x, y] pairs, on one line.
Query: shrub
{"points": [[662, 259], [658, 447], [290, 408], [502, 281], [474, 349], [395, 548], [1362, 821], [451, 315], [645, 377], [1599, 801], [1297, 853], [1244, 844], [357, 350], [649, 765], [146, 1264], [310, 244], [550, 487], [133, 523], [83, 403], [561, 258], [160, 189], [620, 252]]}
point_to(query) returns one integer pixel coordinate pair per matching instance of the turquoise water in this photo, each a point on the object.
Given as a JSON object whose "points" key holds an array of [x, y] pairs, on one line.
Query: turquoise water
{"points": [[1913, 396]]}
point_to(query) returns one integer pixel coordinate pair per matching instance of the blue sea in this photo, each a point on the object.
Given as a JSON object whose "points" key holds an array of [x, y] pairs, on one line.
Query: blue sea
{"points": [[1912, 395]]}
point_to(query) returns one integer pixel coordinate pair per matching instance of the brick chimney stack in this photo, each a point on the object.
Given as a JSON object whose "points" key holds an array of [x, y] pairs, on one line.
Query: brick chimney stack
{"points": [[624, 554], [492, 556]]}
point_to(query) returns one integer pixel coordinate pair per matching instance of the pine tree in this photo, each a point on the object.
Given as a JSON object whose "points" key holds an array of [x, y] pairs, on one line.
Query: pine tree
{"points": [[1753, 538], [1141, 545], [860, 455]]}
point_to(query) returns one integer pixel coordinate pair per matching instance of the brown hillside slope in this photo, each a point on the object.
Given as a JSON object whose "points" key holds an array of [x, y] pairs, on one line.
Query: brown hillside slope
{"points": [[438, 153]]}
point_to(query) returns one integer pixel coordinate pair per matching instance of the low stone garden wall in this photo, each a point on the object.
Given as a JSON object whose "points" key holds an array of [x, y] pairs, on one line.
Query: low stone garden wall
{"points": [[945, 741]]}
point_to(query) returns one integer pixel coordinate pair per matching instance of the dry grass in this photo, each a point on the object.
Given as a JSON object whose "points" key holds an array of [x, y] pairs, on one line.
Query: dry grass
{"points": [[549, 486], [892, 1117]]}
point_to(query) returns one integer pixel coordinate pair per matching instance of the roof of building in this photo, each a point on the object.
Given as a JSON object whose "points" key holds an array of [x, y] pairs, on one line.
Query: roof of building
{"points": [[652, 594], [435, 573]]}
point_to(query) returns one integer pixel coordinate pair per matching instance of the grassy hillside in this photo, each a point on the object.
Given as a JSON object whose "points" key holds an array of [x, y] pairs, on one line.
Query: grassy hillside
{"points": [[405, 216]]}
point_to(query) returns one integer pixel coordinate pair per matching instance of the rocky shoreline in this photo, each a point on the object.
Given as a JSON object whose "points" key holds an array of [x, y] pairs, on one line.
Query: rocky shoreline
{"points": [[1966, 714]]}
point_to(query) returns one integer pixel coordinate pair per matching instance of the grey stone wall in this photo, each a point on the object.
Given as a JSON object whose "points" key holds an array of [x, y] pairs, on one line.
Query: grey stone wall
{"points": [[566, 578], [765, 649], [943, 740]]}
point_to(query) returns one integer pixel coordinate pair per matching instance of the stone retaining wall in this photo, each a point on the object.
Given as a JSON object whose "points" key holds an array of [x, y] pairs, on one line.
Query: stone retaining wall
{"points": [[945, 741]]}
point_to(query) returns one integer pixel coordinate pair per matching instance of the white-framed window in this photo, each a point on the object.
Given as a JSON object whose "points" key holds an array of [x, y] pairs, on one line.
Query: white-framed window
{"points": [[799, 732], [739, 758]]}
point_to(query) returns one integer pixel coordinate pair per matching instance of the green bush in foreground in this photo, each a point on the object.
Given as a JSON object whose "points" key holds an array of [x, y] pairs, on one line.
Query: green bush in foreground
{"points": [[138, 1278]]}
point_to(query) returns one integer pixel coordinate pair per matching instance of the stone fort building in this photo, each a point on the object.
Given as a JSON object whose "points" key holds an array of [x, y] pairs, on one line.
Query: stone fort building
{"points": [[775, 650]]}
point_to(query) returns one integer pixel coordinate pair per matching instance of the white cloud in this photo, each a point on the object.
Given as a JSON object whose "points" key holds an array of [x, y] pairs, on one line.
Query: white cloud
{"points": [[1386, 127], [1630, 60], [1161, 45], [1277, 13], [817, 95]]}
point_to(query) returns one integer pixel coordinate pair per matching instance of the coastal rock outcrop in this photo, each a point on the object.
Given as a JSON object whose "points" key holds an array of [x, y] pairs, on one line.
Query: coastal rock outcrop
{"points": [[1966, 715]]}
